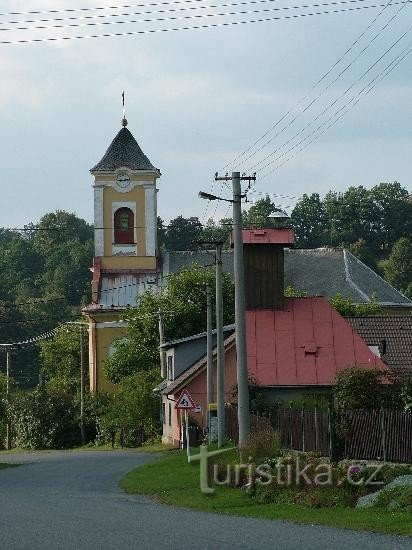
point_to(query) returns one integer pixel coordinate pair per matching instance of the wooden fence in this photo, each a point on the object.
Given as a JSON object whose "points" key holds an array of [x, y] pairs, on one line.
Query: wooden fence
{"points": [[376, 434], [379, 434]]}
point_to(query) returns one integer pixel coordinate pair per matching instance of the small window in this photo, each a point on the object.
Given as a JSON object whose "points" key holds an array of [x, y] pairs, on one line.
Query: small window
{"points": [[164, 413], [124, 226], [170, 414], [170, 367]]}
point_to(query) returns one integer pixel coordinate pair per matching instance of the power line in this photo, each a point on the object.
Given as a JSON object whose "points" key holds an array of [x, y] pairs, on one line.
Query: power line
{"points": [[181, 18], [326, 109], [321, 79], [187, 28]]}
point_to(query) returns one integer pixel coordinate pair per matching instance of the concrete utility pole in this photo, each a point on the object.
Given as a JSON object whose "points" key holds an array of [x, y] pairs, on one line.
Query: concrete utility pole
{"points": [[240, 319], [82, 431], [209, 347], [220, 354], [8, 367], [162, 354]]}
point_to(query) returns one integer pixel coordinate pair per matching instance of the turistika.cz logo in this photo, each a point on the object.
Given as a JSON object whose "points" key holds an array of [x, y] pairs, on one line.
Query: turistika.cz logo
{"points": [[280, 472]]}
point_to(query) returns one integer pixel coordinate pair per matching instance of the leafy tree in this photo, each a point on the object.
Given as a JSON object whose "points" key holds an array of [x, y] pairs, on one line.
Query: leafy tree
{"points": [[60, 359], [347, 308], [309, 220], [183, 302], [398, 267], [359, 388], [361, 250], [258, 214], [181, 233]]}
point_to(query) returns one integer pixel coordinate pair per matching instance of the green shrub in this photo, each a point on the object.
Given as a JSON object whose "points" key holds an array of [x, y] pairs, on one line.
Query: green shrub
{"points": [[262, 444], [396, 498]]}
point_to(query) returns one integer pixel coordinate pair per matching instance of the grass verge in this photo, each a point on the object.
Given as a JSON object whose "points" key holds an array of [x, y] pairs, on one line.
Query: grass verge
{"points": [[171, 480], [7, 465]]}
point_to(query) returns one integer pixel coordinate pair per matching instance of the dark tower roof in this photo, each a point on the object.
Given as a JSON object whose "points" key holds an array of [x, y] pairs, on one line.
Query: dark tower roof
{"points": [[123, 151]]}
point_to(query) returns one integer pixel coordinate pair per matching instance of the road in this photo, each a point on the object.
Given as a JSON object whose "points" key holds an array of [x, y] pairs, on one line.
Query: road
{"points": [[70, 500]]}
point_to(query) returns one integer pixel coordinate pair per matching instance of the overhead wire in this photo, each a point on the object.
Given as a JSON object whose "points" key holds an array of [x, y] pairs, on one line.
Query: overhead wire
{"points": [[257, 164], [317, 83], [221, 24]]}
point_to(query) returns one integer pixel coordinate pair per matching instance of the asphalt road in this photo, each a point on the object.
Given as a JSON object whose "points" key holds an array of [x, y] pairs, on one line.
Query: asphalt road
{"points": [[70, 500]]}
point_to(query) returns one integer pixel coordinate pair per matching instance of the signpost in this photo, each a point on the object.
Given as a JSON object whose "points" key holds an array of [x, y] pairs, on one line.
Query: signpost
{"points": [[186, 403]]}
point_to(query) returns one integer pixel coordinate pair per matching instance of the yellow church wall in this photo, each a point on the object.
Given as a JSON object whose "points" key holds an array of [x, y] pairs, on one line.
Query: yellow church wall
{"points": [[128, 262], [102, 334]]}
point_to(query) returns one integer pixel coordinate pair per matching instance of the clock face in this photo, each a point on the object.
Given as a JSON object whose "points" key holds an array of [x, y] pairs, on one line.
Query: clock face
{"points": [[123, 179]]}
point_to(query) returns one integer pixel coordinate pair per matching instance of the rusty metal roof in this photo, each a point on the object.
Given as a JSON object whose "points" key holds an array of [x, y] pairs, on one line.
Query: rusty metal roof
{"points": [[305, 344], [283, 236]]}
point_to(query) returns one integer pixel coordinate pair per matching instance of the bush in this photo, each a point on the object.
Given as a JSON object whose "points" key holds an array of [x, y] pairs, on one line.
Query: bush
{"points": [[261, 445], [42, 420]]}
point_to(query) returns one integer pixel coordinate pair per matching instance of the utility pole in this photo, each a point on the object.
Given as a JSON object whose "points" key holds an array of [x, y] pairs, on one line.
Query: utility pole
{"points": [[240, 318], [82, 431], [209, 347], [220, 352], [162, 354], [8, 367]]}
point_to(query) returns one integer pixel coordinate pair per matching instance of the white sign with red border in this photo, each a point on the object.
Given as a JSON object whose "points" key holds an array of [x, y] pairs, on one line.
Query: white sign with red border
{"points": [[185, 402]]}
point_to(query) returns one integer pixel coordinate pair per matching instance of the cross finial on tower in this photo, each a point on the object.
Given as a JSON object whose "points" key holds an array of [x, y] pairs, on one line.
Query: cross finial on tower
{"points": [[124, 119]]}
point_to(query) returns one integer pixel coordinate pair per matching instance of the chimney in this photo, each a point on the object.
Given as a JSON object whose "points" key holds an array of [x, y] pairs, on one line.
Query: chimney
{"points": [[264, 266]]}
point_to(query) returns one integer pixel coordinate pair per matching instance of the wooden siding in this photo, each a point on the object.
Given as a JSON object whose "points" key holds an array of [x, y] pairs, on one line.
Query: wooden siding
{"points": [[264, 276]]}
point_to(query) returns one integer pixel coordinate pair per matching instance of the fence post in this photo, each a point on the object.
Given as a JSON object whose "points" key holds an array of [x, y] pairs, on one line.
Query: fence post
{"points": [[330, 428], [303, 428], [383, 434]]}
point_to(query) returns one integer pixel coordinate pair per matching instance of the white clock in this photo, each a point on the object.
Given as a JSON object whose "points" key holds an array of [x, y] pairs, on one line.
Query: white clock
{"points": [[123, 180]]}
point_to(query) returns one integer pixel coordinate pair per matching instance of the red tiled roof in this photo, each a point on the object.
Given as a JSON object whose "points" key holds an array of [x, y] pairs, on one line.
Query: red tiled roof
{"points": [[306, 343]]}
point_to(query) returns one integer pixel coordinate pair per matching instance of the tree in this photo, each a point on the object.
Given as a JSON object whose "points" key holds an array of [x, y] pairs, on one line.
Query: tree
{"points": [[398, 267], [60, 359], [183, 302], [347, 308], [359, 388], [309, 220], [181, 233], [258, 214]]}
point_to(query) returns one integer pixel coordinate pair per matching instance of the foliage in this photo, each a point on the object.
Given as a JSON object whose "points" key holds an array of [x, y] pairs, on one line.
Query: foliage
{"points": [[60, 359], [261, 445], [359, 388], [291, 292], [398, 498], [347, 308], [132, 407], [43, 420], [398, 267], [183, 303], [309, 219], [258, 215]]}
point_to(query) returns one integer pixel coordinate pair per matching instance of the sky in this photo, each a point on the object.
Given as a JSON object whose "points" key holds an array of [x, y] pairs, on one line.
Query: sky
{"points": [[196, 99]]}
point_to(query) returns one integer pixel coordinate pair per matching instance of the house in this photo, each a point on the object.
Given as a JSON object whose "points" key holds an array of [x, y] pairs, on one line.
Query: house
{"points": [[294, 345], [390, 338]]}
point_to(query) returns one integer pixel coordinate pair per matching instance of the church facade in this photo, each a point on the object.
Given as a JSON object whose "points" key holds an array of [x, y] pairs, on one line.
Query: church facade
{"points": [[126, 257]]}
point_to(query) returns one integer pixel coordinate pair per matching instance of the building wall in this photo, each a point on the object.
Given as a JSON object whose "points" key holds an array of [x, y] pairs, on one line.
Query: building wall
{"points": [[104, 330], [197, 389]]}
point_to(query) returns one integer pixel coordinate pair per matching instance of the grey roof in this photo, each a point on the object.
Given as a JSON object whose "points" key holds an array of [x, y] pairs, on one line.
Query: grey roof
{"points": [[318, 271], [395, 331], [173, 343], [123, 151]]}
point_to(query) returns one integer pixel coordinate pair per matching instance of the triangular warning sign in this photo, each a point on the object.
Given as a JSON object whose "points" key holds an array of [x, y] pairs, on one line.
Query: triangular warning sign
{"points": [[185, 401]]}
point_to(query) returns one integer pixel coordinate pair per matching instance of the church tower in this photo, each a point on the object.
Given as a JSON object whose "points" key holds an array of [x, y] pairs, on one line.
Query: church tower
{"points": [[126, 254]]}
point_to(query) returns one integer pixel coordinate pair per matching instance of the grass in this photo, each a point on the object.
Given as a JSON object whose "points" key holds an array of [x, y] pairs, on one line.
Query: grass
{"points": [[4, 465], [171, 480]]}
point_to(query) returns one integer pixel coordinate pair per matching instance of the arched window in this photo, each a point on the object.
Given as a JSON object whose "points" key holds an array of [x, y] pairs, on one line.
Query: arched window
{"points": [[124, 226]]}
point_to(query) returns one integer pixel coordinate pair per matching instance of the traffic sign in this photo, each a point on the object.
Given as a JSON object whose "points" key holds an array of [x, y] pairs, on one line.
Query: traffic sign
{"points": [[185, 401]]}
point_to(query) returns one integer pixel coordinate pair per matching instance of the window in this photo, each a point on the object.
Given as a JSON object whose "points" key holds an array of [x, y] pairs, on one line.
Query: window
{"points": [[170, 367], [164, 413], [170, 414], [124, 226]]}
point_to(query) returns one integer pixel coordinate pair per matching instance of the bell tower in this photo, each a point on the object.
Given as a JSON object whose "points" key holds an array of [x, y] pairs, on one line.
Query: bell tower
{"points": [[125, 242], [125, 210]]}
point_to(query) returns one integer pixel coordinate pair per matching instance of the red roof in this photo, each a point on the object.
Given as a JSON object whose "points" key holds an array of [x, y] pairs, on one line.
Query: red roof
{"points": [[304, 344], [283, 236]]}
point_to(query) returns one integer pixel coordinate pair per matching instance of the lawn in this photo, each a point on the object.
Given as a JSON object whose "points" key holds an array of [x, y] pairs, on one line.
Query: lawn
{"points": [[171, 480], [7, 465]]}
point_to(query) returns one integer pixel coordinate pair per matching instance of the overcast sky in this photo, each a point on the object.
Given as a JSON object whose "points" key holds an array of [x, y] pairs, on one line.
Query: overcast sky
{"points": [[196, 99]]}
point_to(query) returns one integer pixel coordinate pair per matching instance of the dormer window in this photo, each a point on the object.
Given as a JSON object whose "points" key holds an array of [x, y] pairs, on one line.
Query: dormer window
{"points": [[124, 226]]}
